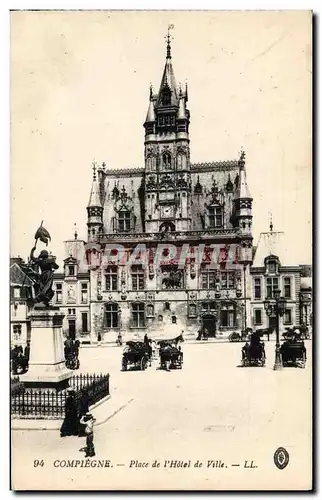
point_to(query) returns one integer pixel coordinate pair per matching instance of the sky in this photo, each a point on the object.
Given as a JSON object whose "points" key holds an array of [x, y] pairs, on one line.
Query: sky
{"points": [[80, 90]]}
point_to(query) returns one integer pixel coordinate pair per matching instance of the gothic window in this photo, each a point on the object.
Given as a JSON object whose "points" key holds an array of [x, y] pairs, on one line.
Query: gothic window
{"points": [[167, 306], [124, 221], [150, 164], [111, 278], [271, 285], [138, 315], [181, 161], [227, 280], [208, 279], [137, 274], [166, 161], [111, 315], [228, 315], [215, 215]]}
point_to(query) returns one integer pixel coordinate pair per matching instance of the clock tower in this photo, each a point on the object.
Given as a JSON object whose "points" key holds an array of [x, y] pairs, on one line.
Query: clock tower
{"points": [[167, 177]]}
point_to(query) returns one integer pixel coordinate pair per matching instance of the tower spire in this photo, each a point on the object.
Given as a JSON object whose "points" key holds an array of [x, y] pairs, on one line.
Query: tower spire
{"points": [[168, 38]]}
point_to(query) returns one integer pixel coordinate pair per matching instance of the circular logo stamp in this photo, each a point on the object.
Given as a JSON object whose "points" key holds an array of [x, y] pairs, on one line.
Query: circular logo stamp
{"points": [[281, 458]]}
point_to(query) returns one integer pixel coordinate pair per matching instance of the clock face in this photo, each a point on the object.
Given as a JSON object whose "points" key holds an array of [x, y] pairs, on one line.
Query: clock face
{"points": [[166, 211]]}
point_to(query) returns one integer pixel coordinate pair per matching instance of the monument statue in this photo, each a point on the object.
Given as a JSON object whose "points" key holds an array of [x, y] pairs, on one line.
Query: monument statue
{"points": [[42, 269]]}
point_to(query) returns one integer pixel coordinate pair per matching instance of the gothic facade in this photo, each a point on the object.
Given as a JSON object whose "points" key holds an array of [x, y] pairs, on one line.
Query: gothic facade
{"points": [[205, 207]]}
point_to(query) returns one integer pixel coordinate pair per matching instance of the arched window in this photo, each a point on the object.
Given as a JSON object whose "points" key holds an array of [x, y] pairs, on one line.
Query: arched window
{"points": [[150, 163], [166, 161]]}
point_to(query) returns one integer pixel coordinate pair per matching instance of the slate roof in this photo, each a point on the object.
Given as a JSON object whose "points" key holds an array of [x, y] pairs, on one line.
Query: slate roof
{"points": [[18, 277], [274, 243]]}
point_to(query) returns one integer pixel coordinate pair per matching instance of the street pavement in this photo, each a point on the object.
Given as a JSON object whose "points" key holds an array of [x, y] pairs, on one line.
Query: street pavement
{"points": [[211, 410]]}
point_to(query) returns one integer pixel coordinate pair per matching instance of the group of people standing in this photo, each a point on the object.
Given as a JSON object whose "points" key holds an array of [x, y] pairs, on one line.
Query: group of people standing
{"points": [[78, 420], [20, 359]]}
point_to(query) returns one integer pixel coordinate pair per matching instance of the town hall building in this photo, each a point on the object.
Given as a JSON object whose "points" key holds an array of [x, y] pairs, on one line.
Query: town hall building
{"points": [[170, 200]]}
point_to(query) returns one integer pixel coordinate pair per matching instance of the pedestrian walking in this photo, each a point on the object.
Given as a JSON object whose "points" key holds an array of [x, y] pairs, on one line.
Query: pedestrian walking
{"points": [[88, 420], [99, 339], [83, 408], [70, 425]]}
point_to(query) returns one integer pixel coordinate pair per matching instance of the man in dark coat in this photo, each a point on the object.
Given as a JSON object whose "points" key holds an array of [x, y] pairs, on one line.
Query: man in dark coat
{"points": [[70, 424], [83, 408]]}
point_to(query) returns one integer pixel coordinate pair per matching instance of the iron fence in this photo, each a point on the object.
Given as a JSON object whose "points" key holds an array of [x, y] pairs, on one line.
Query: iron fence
{"points": [[38, 404]]}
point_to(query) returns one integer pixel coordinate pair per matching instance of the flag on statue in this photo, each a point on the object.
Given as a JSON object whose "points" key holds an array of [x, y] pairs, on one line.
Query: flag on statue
{"points": [[43, 235]]}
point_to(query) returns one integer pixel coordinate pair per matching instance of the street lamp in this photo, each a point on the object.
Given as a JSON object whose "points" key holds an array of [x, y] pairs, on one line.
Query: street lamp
{"points": [[276, 307]]}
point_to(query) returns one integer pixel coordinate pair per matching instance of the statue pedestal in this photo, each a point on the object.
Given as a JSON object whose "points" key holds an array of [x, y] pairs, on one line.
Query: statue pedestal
{"points": [[47, 368]]}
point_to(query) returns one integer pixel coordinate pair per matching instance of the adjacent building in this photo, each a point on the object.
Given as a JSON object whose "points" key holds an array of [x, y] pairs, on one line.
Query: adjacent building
{"points": [[274, 267], [72, 290], [20, 294]]}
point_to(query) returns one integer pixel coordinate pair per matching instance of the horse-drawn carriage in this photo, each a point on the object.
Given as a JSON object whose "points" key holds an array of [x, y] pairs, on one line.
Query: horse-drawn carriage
{"points": [[293, 352], [170, 356], [135, 354], [296, 332], [253, 352], [239, 337]]}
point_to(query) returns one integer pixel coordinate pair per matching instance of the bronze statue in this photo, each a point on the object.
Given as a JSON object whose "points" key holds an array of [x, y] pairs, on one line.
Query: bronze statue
{"points": [[44, 282]]}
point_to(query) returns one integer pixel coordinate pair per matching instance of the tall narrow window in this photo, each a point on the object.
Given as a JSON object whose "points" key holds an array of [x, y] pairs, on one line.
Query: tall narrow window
{"points": [[84, 322], [257, 316], [271, 285], [228, 316], [71, 270], [124, 221], [138, 315], [215, 215], [287, 287], [288, 317], [84, 293], [137, 273], [111, 315], [257, 288], [59, 293], [111, 278]]}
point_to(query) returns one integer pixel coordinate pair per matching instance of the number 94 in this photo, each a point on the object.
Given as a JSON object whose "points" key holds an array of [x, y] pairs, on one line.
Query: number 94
{"points": [[38, 463]]}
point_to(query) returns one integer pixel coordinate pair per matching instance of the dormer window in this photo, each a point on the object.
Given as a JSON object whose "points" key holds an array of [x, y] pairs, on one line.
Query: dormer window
{"points": [[71, 270], [215, 215], [166, 96], [272, 264], [124, 221]]}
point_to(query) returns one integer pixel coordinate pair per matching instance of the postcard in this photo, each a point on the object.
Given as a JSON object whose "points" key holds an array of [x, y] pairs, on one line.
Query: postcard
{"points": [[161, 250]]}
